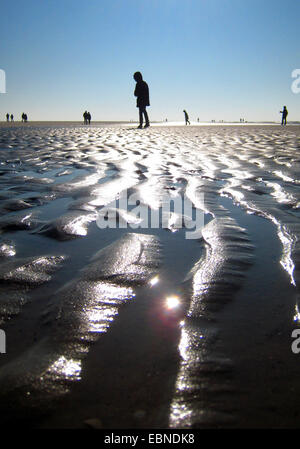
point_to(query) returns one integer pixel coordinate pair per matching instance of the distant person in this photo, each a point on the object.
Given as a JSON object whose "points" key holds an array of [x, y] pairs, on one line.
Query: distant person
{"points": [[142, 93], [7, 117], [284, 113], [25, 118], [186, 117], [85, 117], [11, 117], [89, 117]]}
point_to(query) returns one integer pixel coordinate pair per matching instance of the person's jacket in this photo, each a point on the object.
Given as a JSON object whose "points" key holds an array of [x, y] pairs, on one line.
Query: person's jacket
{"points": [[142, 93]]}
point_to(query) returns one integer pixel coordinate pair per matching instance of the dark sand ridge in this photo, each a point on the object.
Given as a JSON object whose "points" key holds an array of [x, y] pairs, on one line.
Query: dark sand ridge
{"points": [[224, 358]]}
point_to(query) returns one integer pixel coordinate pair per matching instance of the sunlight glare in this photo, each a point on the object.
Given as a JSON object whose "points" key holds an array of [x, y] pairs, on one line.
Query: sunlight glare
{"points": [[172, 302]]}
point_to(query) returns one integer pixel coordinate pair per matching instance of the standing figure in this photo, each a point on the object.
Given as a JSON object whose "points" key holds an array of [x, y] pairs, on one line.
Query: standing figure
{"points": [[284, 113], [142, 93], [11, 117], [7, 117], [186, 117], [88, 116], [85, 119]]}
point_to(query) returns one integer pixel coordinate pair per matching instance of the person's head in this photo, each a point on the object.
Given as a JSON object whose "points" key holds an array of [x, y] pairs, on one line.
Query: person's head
{"points": [[138, 76]]}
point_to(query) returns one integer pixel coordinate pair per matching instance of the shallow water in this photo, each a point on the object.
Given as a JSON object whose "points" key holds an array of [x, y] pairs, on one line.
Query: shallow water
{"points": [[149, 326]]}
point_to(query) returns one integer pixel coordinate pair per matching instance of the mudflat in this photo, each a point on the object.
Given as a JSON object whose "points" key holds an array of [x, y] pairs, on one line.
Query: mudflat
{"points": [[149, 278]]}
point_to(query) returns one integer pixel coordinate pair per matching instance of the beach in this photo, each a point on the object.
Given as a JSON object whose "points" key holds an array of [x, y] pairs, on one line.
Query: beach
{"points": [[112, 321]]}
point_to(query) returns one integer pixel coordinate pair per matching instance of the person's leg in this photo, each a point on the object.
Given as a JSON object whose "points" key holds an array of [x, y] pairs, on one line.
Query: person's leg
{"points": [[146, 118], [141, 117]]}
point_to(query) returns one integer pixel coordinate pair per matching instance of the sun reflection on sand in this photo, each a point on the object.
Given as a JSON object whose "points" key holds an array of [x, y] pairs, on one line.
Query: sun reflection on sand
{"points": [[78, 226], [67, 368], [154, 281], [297, 314], [100, 312]]}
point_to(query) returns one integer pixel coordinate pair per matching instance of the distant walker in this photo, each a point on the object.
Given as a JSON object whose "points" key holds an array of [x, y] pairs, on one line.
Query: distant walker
{"points": [[24, 117], [186, 117], [86, 117], [284, 113]]}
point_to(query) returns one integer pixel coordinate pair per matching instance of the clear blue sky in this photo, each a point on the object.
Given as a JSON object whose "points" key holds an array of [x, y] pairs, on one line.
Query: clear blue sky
{"points": [[218, 59]]}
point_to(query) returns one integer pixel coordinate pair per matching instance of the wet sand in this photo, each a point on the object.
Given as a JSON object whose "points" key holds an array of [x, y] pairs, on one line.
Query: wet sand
{"points": [[90, 334]]}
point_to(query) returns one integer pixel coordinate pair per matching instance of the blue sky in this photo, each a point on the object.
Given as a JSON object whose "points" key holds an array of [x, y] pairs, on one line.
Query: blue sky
{"points": [[218, 59]]}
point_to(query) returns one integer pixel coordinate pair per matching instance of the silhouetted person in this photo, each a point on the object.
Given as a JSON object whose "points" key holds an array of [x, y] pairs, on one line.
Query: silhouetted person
{"points": [[11, 117], [186, 117], [88, 116], [142, 93], [25, 118], [85, 119], [7, 117], [284, 113]]}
